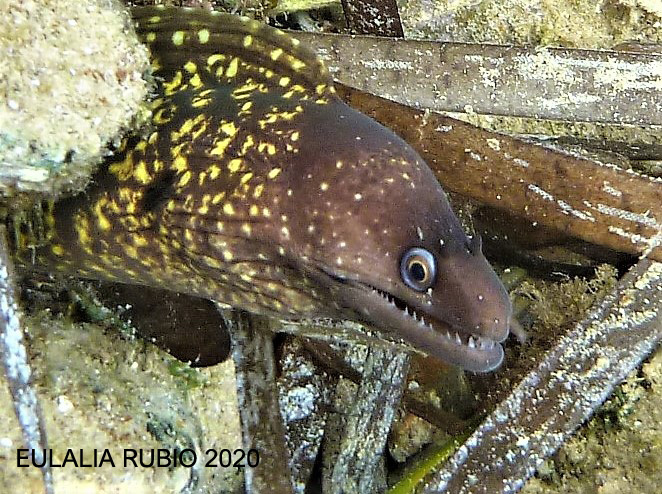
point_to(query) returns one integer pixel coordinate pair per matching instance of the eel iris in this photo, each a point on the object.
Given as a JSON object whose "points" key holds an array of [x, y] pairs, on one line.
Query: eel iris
{"points": [[257, 187]]}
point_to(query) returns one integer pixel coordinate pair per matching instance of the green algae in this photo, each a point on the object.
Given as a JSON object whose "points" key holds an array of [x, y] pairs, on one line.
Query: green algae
{"points": [[435, 457], [193, 378]]}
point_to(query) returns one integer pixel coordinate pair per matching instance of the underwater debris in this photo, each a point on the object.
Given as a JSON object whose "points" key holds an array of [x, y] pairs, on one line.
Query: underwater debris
{"points": [[17, 368], [571, 381], [544, 83], [551, 188]]}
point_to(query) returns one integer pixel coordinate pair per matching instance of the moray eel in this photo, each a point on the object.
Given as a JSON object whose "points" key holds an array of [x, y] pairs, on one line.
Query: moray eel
{"points": [[259, 188]]}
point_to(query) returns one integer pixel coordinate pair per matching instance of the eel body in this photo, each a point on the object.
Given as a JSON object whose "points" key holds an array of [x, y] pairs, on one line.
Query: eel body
{"points": [[258, 188]]}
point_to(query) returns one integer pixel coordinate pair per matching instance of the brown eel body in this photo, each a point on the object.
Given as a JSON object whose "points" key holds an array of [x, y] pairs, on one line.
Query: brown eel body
{"points": [[258, 188]]}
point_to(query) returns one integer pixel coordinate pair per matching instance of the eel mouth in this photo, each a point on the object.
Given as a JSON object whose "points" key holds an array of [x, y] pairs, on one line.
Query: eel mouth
{"points": [[452, 344]]}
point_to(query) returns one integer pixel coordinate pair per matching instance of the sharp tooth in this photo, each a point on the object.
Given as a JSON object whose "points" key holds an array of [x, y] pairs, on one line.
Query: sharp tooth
{"points": [[414, 315], [471, 342], [458, 340], [486, 344], [422, 321], [430, 326], [448, 335]]}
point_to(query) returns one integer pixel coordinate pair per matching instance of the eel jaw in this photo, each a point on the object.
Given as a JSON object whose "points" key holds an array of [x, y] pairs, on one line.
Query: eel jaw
{"points": [[436, 338]]}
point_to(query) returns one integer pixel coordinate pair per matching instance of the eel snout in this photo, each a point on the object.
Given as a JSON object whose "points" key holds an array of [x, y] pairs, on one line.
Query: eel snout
{"points": [[471, 296], [461, 318], [475, 348]]}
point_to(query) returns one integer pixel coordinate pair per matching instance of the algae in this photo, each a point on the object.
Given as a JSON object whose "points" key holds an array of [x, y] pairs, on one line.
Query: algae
{"points": [[556, 306]]}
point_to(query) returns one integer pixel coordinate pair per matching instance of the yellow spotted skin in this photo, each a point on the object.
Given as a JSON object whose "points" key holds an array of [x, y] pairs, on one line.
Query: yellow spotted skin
{"points": [[186, 206], [257, 187]]}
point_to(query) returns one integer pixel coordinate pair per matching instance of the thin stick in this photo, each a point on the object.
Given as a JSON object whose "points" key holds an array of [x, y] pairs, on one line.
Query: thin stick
{"points": [[571, 382], [17, 368]]}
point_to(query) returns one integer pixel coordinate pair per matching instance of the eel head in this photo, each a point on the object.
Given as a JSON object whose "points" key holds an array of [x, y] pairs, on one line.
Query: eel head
{"points": [[377, 229]]}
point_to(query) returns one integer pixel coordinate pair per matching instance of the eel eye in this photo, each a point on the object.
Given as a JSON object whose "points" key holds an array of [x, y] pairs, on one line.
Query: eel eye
{"points": [[418, 269]]}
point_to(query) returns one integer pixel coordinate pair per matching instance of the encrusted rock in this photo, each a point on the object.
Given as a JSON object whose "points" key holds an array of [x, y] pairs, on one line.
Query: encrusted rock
{"points": [[71, 82]]}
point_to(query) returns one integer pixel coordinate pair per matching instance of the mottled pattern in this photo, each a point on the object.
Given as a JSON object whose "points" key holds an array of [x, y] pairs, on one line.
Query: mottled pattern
{"points": [[257, 187], [191, 205]]}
